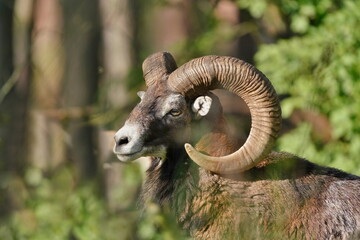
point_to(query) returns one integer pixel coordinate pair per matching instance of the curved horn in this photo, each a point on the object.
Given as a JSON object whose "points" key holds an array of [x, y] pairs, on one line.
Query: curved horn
{"points": [[157, 66], [211, 72]]}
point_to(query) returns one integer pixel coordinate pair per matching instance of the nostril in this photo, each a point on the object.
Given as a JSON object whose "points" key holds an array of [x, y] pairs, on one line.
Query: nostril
{"points": [[123, 140]]}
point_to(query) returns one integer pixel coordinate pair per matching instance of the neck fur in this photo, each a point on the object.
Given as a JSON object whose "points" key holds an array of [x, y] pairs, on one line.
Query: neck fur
{"points": [[166, 178]]}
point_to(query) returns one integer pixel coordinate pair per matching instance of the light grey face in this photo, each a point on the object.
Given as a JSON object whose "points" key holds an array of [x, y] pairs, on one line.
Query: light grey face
{"points": [[158, 121], [152, 126]]}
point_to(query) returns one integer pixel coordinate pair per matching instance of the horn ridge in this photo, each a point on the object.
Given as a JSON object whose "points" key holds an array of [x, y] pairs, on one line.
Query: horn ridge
{"points": [[157, 67], [210, 72]]}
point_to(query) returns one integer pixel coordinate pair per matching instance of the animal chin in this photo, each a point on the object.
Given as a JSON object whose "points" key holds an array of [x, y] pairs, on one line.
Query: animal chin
{"points": [[129, 157], [158, 151]]}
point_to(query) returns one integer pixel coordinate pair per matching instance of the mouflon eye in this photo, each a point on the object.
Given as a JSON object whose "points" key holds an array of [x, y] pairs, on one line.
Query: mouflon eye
{"points": [[175, 112]]}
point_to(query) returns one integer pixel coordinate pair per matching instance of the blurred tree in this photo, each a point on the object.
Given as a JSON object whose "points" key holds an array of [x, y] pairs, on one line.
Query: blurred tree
{"points": [[7, 66], [15, 77], [46, 137], [81, 41], [6, 53], [118, 51], [6, 63]]}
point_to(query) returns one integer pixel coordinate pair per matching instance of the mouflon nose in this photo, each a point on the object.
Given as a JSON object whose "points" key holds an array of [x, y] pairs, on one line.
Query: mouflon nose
{"points": [[128, 139], [121, 140]]}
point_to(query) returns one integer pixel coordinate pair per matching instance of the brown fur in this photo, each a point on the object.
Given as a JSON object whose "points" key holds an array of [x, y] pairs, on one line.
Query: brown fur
{"points": [[289, 198], [284, 197]]}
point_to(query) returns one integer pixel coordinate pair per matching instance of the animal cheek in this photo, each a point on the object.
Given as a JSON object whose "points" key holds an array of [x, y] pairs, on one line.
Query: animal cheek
{"points": [[184, 120], [174, 123]]}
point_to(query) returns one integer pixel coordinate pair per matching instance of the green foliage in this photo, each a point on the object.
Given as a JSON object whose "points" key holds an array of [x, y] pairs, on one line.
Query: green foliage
{"points": [[159, 224], [55, 208], [321, 71], [301, 14]]}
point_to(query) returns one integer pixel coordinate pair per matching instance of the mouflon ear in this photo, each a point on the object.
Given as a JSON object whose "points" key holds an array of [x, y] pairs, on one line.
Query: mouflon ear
{"points": [[201, 105], [140, 94]]}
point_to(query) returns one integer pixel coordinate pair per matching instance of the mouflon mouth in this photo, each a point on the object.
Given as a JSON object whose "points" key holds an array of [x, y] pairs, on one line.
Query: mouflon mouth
{"points": [[158, 151], [127, 156]]}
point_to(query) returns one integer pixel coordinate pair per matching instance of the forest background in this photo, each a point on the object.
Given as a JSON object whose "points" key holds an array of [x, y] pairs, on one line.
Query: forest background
{"points": [[70, 70]]}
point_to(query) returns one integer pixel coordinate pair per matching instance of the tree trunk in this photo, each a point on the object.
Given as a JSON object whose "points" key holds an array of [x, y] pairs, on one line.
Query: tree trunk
{"points": [[6, 26], [118, 35], [46, 137], [14, 85], [81, 24], [14, 82]]}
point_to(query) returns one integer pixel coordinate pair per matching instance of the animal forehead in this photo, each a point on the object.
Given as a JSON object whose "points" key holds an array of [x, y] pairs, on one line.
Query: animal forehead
{"points": [[157, 103], [163, 101], [159, 94], [172, 100]]}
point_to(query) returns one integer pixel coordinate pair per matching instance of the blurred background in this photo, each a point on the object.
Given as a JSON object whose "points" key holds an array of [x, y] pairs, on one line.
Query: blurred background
{"points": [[70, 70]]}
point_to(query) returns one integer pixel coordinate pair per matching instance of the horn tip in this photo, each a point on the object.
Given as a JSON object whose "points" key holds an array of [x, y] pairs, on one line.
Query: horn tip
{"points": [[189, 148]]}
